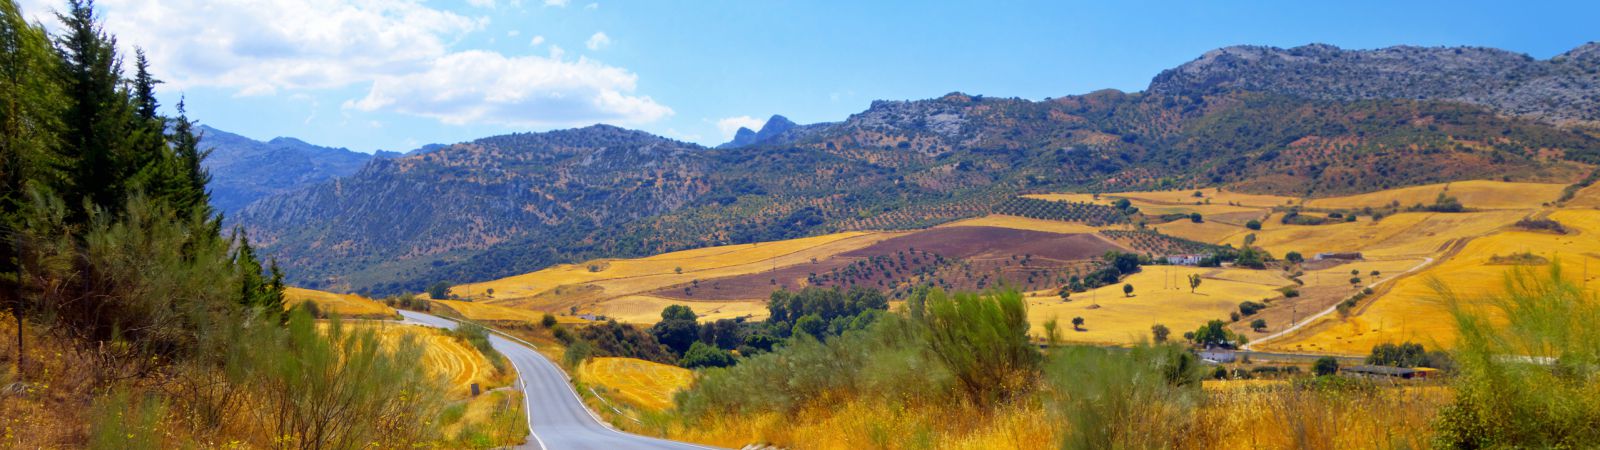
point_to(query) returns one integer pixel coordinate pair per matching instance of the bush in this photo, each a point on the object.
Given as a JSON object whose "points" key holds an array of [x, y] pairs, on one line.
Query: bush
{"points": [[705, 355], [1250, 308], [1525, 366], [1253, 224], [1325, 366], [982, 340], [1148, 397], [549, 320]]}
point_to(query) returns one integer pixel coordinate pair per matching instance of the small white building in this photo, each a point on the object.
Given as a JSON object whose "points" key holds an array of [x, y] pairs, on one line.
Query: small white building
{"points": [[1184, 260]]}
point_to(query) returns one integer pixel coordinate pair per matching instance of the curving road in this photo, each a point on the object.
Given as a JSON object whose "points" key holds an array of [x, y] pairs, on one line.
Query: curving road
{"points": [[557, 419]]}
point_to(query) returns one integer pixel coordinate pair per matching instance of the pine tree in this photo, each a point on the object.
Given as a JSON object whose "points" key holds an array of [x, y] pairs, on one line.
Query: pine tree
{"points": [[144, 87], [95, 117], [191, 197]]}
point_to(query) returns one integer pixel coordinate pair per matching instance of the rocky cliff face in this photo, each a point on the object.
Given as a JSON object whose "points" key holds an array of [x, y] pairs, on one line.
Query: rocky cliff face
{"points": [[1562, 89]]}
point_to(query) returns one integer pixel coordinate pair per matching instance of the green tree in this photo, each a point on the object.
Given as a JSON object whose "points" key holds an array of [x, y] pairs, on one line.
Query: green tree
{"points": [[1127, 290], [548, 321], [1325, 366], [1253, 224], [1258, 324], [439, 290], [1160, 333], [1213, 334], [983, 340], [701, 354], [1194, 282], [1077, 323], [97, 114], [1196, 218], [1294, 257]]}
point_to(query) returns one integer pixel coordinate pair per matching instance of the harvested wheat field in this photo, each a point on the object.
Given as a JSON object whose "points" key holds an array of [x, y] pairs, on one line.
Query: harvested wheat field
{"points": [[618, 277], [342, 305], [1023, 223], [1210, 232], [491, 312], [646, 309], [452, 359], [1161, 295], [643, 384], [1475, 194], [1588, 197], [1400, 235], [1413, 310]]}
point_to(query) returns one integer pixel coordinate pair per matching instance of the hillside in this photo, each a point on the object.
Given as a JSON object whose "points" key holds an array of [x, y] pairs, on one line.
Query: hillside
{"points": [[245, 170], [1565, 88], [517, 203]]}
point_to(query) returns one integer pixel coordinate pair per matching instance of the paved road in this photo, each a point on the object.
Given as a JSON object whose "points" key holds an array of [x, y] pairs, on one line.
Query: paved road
{"points": [[556, 417]]}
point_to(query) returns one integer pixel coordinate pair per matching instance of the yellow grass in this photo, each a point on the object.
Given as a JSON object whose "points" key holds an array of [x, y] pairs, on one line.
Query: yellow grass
{"points": [[1023, 223], [1161, 295], [1588, 197], [453, 360], [646, 309], [858, 423], [644, 384], [1400, 235], [1412, 310], [344, 305], [485, 311], [1477, 194], [1208, 231], [630, 276]]}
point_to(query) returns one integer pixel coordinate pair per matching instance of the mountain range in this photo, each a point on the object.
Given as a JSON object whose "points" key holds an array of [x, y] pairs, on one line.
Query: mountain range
{"points": [[1313, 120]]}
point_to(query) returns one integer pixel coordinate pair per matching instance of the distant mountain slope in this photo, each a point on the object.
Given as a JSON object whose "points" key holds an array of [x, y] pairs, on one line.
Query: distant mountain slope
{"points": [[517, 203], [777, 131], [244, 170], [1561, 89]]}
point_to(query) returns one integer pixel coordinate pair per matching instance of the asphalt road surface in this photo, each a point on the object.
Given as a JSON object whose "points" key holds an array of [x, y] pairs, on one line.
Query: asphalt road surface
{"points": [[557, 418]]}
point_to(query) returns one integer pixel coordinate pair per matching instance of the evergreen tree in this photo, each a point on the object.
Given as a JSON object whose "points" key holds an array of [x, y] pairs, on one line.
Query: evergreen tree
{"points": [[191, 196], [95, 117]]}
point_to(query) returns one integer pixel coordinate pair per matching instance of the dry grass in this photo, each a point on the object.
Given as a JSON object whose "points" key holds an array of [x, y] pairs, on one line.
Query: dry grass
{"points": [[342, 305], [619, 277], [1282, 416], [490, 312], [1476, 194], [1399, 235], [642, 384], [646, 309], [450, 358], [1210, 231], [1023, 223], [855, 424], [1588, 197], [1161, 295], [1411, 310]]}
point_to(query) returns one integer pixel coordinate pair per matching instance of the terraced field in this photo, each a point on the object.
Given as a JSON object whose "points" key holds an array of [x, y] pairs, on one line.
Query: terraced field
{"points": [[342, 305], [492, 312], [642, 384]]}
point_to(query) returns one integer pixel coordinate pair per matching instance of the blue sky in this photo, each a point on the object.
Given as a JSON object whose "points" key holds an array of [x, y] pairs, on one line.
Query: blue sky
{"points": [[397, 74]]}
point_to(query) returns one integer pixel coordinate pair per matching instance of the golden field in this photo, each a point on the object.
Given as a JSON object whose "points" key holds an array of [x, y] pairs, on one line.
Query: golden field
{"points": [[1161, 295], [1409, 234], [452, 359], [342, 305], [643, 384], [646, 309], [1023, 223], [1474, 194], [1413, 310], [491, 312]]}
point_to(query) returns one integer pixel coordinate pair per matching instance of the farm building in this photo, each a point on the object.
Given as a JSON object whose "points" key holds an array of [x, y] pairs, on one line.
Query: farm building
{"points": [[1218, 355], [1404, 373], [1184, 260], [1347, 256]]}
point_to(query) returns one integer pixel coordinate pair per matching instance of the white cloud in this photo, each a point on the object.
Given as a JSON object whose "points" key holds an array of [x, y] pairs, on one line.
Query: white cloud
{"points": [[398, 51], [592, 6], [536, 41], [481, 3], [557, 3], [730, 125], [598, 41], [486, 87], [513, 33]]}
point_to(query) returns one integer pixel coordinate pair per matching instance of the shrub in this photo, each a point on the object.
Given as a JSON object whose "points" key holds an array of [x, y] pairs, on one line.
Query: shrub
{"points": [[549, 320], [983, 341], [1253, 224], [705, 355], [1147, 397], [1250, 308], [1526, 365], [1325, 366]]}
